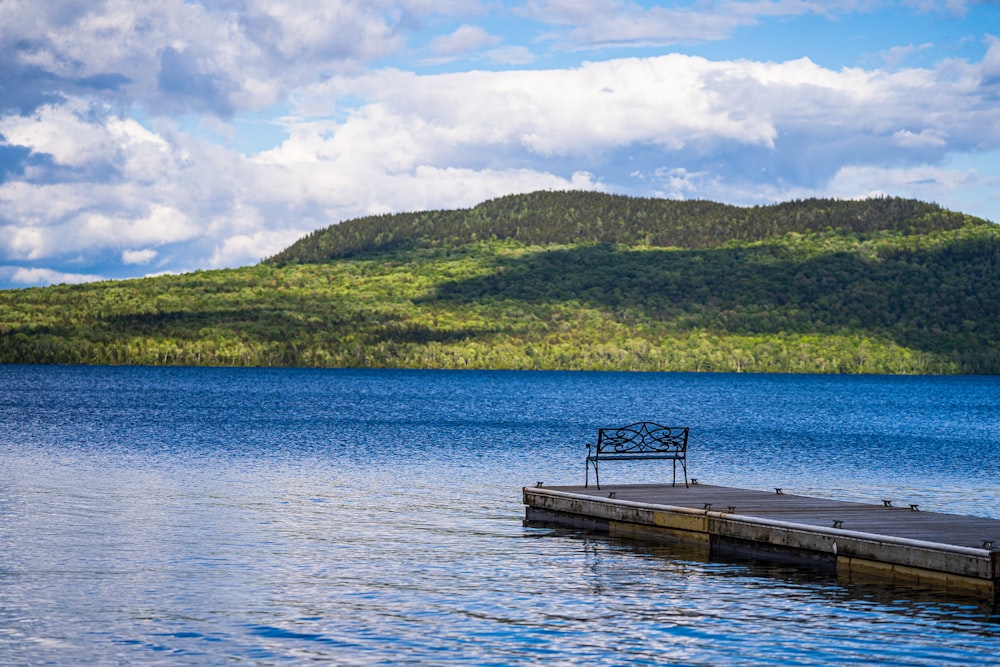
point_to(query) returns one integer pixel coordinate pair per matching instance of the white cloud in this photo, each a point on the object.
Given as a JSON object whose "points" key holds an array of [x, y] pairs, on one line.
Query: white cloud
{"points": [[587, 24], [511, 55], [22, 242], [955, 7], [664, 101], [679, 183], [69, 134], [43, 276], [924, 182], [970, 188], [244, 249], [923, 139], [140, 257], [177, 56], [991, 61], [597, 23], [675, 103], [54, 131], [463, 40], [895, 56], [55, 235]]}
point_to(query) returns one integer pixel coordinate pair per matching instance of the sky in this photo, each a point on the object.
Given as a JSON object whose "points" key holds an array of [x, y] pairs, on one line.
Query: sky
{"points": [[144, 137]]}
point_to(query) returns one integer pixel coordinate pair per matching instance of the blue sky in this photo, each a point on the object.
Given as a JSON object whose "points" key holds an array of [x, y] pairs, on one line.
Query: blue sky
{"points": [[144, 137]]}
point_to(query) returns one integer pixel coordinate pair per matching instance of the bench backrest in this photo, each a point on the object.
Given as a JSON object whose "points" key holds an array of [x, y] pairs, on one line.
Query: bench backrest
{"points": [[642, 438]]}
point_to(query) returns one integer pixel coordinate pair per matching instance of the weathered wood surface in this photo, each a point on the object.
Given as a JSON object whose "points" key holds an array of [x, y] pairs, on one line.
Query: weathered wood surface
{"points": [[895, 521]]}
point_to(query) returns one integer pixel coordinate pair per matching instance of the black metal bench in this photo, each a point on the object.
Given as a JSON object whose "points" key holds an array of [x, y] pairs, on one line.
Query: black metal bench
{"points": [[641, 441]]}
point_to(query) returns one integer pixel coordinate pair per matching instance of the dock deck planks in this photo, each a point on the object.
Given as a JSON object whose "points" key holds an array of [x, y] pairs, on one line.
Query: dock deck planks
{"points": [[946, 547], [898, 520]]}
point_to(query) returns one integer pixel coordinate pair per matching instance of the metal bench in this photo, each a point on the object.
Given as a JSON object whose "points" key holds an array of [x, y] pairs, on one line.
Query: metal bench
{"points": [[641, 441]]}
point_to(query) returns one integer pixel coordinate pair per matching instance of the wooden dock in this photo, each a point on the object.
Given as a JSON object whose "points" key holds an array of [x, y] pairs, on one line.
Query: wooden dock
{"points": [[896, 543]]}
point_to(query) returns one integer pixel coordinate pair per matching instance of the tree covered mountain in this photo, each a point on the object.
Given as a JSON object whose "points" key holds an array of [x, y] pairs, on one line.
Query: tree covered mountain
{"points": [[544, 218], [573, 280]]}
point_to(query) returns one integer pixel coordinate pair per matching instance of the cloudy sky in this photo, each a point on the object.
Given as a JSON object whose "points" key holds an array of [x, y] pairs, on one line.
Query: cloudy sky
{"points": [[140, 137]]}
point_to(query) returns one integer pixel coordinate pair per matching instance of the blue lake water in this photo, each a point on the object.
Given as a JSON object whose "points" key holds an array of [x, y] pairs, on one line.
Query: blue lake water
{"points": [[201, 516]]}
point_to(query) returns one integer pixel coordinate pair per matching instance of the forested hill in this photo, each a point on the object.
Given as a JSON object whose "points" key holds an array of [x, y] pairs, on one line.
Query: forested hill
{"points": [[543, 218], [563, 280]]}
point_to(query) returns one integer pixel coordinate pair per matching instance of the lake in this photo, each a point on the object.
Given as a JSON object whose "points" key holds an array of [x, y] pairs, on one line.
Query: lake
{"points": [[373, 517]]}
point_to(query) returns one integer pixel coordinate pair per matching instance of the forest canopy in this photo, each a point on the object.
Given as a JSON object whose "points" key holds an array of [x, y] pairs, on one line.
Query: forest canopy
{"points": [[545, 218]]}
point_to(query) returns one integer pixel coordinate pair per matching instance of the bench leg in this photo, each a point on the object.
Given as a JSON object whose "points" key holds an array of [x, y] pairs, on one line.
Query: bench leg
{"points": [[597, 475], [684, 469]]}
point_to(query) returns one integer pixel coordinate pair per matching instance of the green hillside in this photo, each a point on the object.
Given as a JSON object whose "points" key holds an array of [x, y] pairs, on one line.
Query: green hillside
{"points": [[569, 280], [544, 218]]}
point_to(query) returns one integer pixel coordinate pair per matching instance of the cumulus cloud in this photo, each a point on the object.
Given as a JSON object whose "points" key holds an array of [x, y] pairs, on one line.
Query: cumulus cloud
{"points": [[172, 55], [686, 106], [663, 101], [69, 136]]}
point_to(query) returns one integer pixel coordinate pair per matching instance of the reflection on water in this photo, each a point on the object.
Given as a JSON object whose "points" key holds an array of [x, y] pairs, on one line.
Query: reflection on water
{"points": [[362, 517]]}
